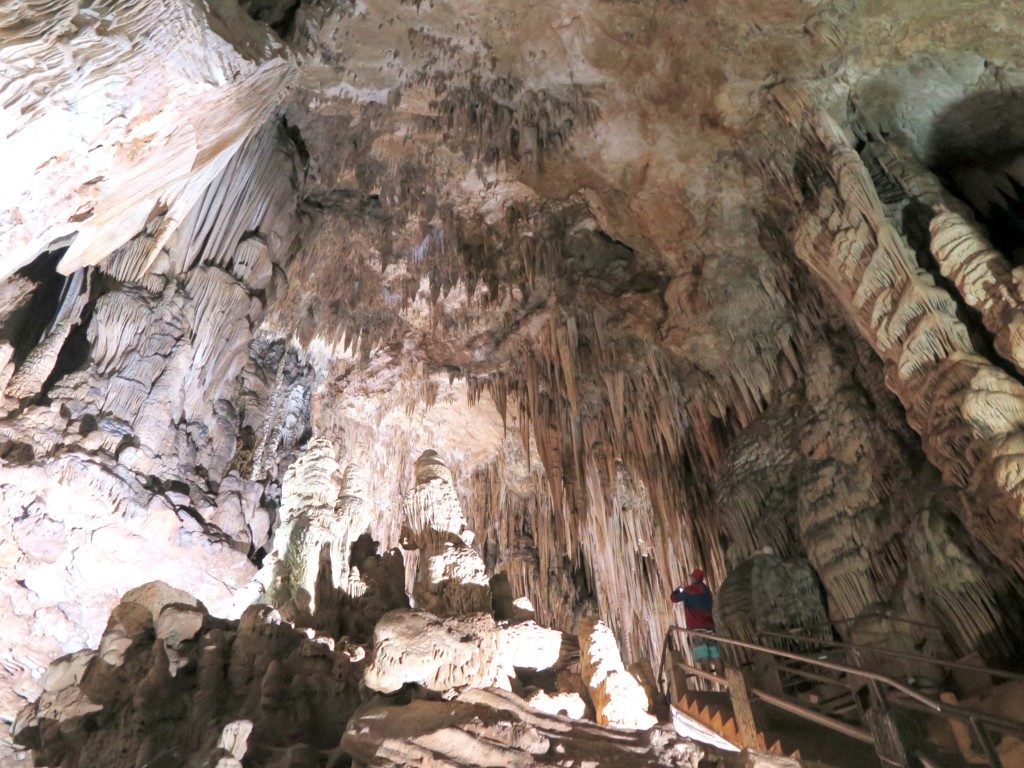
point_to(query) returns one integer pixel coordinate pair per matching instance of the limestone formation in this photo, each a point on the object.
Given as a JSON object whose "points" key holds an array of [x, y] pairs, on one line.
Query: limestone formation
{"points": [[309, 496], [170, 684], [768, 594], [569, 705], [983, 277], [962, 405], [493, 728], [184, 687], [439, 654], [451, 578], [493, 321], [161, 93], [618, 697], [527, 645], [127, 472]]}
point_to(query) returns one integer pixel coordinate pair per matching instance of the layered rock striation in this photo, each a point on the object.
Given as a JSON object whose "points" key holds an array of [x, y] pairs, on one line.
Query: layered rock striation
{"points": [[668, 284]]}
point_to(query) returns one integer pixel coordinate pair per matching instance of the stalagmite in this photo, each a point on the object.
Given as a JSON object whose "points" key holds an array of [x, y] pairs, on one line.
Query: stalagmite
{"points": [[439, 654], [619, 699], [257, 680], [308, 524], [451, 577], [352, 518]]}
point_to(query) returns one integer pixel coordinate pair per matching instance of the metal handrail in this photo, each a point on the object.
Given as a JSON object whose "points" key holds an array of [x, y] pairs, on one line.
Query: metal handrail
{"points": [[896, 619], [992, 672], [839, 726], [824, 664], [974, 718]]}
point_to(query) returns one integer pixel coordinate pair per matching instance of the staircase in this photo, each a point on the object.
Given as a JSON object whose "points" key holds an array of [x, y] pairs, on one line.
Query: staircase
{"points": [[714, 711], [816, 706], [830, 692]]}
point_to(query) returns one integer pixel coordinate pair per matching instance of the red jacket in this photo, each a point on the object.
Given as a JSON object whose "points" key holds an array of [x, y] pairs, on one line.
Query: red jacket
{"points": [[697, 604]]}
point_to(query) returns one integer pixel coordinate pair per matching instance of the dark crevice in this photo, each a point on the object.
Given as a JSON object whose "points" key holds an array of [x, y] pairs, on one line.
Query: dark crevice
{"points": [[27, 328], [976, 148], [914, 225], [279, 15], [258, 556], [295, 136], [73, 355]]}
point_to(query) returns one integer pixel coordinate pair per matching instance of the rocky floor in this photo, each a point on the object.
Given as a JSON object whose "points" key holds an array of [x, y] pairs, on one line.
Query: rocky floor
{"points": [[358, 678]]}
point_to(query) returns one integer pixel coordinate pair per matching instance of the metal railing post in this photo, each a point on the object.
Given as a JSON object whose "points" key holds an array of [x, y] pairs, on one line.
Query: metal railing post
{"points": [[888, 742], [985, 742], [883, 728], [766, 672], [742, 711], [677, 677]]}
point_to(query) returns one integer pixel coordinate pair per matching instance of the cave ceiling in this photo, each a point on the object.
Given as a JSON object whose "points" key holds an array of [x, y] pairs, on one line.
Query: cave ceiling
{"points": [[665, 282]]}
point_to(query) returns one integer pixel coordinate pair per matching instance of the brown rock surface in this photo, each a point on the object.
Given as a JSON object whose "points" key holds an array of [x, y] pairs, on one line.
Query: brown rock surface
{"points": [[664, 283], [171, 685]]}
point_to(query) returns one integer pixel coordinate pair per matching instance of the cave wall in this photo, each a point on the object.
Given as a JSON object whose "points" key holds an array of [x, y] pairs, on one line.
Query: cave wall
{"points": [[148, 426], [654, 309], [118, 115]]}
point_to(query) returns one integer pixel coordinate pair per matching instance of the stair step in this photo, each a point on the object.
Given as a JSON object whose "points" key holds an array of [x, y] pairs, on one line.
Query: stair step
{"points": [[718, 718]]}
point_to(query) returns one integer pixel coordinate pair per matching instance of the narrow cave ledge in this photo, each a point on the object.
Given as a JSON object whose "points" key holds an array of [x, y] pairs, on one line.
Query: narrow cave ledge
{"points": [[371, 374]]}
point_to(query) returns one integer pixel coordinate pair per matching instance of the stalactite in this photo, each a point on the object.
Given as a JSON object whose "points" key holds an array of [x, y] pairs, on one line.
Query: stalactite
{"points": [[755, 492], [105, 180], [587, 451]]}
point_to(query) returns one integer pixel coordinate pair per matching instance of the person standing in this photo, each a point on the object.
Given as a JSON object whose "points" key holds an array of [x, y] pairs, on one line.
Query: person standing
{"points": [[698, 603]]}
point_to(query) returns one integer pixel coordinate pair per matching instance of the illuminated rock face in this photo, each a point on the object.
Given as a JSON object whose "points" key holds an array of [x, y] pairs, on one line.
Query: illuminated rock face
{"points": [[451, 577], [618, 698], [118, 115], [253, 685], [747, 302], [168, 681], [134, 420]]}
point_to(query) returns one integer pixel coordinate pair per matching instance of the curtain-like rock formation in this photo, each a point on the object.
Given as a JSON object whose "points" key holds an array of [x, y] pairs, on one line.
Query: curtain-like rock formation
{"points": [[160, 94], [966, 409], [132, 421]]}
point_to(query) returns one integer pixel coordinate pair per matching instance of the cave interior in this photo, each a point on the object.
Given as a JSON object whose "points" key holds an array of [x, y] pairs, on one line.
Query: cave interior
{"points": [[371, 373]]}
